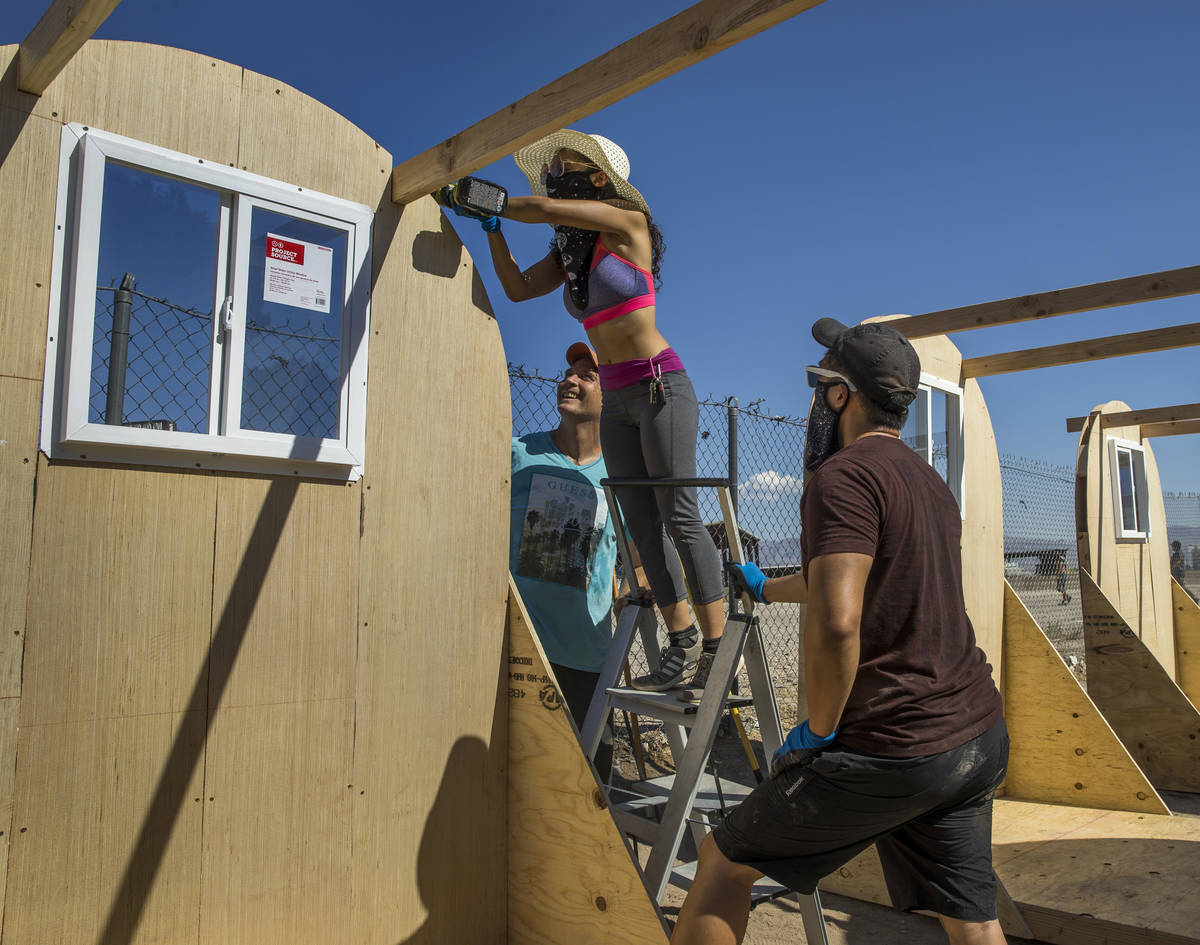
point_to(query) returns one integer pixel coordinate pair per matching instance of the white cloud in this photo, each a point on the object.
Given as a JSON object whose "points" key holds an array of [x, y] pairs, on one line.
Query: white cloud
{"points": [[770, 486]]}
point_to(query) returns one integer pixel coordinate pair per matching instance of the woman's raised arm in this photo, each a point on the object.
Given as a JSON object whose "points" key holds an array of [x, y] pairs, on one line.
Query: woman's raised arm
{"points": [[543, 277]]}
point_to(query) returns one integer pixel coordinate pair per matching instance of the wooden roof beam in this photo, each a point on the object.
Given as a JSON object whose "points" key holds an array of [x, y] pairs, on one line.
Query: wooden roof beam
{"points": [[1129, 418], [1084, 298], [64, 27], [1075, 352], [1170, 428], [700, 31]]}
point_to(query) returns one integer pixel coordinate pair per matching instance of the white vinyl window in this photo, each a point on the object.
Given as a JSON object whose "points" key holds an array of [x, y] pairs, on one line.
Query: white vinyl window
{"points": [[203, 316], [1131, 520], [934, 429]]}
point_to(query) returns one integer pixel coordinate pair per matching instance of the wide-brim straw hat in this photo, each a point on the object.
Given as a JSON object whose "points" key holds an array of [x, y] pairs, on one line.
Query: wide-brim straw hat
{"points": [[607, 155]]}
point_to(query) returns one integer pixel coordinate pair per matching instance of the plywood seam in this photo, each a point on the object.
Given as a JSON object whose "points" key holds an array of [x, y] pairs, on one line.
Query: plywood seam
{"points": [[21, 377]]}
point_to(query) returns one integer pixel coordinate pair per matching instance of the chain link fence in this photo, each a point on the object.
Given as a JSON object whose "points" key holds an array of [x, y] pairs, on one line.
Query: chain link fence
{"points": [[1183, 526], [767, 464], [1040, 558], [152, 367]]}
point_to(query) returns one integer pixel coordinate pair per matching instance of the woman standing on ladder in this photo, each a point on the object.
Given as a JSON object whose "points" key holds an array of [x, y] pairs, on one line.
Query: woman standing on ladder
{"points": [[606, 253]]}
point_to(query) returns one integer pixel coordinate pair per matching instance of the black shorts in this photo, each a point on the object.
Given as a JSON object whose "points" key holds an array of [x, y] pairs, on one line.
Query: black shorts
{"points": [[930, 818]]}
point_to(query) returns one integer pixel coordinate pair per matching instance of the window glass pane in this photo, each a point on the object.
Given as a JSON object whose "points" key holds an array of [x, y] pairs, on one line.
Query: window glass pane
{"points": [[291, 380], [1128, 494], [913, 432], [941, 444], [1139, 489], [162, 233]]}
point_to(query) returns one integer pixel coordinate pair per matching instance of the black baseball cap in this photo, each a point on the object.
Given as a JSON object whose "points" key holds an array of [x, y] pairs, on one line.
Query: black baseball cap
{"points": [[879, 360]]}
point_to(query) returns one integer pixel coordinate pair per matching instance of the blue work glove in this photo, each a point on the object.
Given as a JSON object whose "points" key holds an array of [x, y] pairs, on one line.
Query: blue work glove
{"points": [[490, 224], [800, 745], [747, 579]]}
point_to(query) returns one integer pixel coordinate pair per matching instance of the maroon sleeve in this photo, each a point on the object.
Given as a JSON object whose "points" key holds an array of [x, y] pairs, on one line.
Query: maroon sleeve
{"points": [[842, 512]]}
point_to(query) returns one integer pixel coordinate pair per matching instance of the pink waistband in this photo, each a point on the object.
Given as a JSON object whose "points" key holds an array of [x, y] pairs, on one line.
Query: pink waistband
{"points": [[625, 373]]}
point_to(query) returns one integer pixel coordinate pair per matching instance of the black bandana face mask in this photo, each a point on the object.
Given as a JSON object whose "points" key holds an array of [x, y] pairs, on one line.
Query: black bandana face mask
{"points": [[573, 185], [820, 439]]}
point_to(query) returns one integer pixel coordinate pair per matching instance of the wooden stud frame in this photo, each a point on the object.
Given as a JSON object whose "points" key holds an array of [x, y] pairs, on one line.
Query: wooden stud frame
{"points": [[695, 34], [63, 28], [66, 429], [1127, 418]]}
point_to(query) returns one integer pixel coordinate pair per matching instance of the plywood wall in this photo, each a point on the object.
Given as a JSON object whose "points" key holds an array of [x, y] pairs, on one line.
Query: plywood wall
{"points": [[1134, 575], [238, 709], [983, 525]]}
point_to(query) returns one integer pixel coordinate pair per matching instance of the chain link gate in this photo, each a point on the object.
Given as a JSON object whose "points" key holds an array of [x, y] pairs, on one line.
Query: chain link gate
{"points": [[152, 367]]}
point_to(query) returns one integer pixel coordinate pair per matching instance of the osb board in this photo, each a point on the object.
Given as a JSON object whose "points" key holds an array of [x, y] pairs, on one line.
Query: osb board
{"points": [[1135, 575], [106, 832], [18, 461], [120, 593], [570, 874], [344, 162], [1063, 751], [28, 184], [277, 843], [1187, 642], [283, 606], [430, 733], [1149, 713], [1138, 872]]}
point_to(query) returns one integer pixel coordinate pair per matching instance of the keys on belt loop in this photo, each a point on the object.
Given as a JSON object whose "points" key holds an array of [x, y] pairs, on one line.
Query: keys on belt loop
{"points": [[658, 393]]}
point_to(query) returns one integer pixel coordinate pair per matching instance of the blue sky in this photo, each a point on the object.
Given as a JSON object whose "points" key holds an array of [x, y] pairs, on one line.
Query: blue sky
{"points": [[865, 157]]}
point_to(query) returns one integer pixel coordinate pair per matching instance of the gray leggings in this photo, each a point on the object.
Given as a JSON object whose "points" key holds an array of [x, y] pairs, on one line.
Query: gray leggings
{"points": [[643, 440]]}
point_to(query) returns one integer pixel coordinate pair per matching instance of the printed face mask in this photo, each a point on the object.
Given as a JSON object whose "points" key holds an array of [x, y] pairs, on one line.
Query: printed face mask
{"points": [[573, 185], [820, 440]]}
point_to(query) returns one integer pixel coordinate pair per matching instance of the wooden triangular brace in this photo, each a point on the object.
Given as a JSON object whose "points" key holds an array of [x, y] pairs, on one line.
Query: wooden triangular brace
{"points": [[1149, 713], [571, 877], [1063, 751], [1186, 618]]}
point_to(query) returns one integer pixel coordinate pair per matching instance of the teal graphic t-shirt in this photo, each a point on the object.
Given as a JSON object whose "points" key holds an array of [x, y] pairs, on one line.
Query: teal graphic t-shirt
{"points": [[561, 551]]}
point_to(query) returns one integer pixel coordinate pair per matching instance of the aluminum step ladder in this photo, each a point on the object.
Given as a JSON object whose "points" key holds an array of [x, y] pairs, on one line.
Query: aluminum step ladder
{"points": [[690, 727]]}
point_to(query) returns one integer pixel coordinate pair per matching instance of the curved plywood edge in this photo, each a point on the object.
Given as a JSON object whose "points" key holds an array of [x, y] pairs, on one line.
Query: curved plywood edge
{"points": [[1134, 575], [1149, 713], [983, 524], [570, 874], [983, 529], [1063, 752], [1187, 642]]}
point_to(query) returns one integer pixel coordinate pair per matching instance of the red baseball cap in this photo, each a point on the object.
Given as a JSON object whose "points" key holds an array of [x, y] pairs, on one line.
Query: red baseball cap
{"points": [[581, 349]]}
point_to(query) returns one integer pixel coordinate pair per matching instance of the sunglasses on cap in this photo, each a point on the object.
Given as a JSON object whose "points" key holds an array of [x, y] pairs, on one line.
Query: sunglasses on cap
{"points": [[820, 375], [559, 166]]}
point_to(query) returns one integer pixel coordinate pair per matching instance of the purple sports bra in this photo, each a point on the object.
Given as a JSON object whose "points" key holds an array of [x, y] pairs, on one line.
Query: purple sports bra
{"points": [[615, 287]]}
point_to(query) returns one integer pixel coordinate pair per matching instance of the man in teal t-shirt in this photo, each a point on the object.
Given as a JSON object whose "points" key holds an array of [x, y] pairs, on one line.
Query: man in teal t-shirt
{"points": [[562, 548]]}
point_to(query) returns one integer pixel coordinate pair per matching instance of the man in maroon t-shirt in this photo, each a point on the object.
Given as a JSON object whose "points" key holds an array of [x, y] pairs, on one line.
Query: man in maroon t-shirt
{"points": [[905, 743]]}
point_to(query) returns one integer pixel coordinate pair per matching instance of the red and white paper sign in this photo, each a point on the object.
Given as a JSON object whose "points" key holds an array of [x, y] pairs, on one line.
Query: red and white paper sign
{"points": [[298, 274]]}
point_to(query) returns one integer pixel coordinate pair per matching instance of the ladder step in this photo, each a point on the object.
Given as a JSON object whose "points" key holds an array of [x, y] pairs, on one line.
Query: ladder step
{"points": [[707, 796], [646, 830], [665, 706], [683, 874]]}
